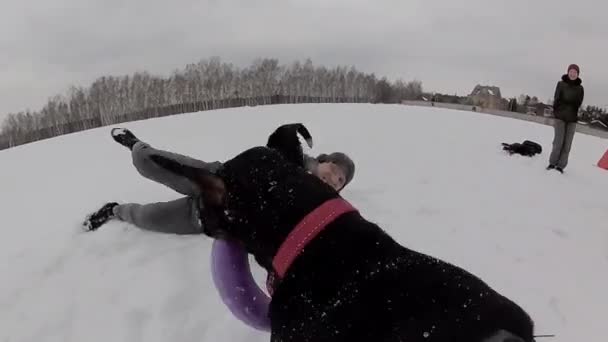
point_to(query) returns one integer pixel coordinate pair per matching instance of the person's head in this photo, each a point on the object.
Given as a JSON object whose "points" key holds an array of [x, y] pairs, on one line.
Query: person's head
{"points": [[573, 71], [335, 169]]}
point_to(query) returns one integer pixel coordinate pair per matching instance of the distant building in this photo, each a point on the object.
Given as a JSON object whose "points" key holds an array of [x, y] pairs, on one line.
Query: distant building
{"points": [[539, 109], [488, 97], [544, 110]]}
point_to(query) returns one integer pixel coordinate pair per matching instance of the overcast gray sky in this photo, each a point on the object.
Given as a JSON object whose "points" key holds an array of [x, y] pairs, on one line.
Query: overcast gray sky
{"points": [[521, 46]]}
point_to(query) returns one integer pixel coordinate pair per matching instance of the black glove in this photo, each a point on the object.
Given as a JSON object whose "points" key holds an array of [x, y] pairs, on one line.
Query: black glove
{"points": [[285, 140], [286, 133]]}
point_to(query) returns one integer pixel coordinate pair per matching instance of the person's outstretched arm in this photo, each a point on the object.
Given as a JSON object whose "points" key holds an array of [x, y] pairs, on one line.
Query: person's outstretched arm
{"points": [[285, 140]]}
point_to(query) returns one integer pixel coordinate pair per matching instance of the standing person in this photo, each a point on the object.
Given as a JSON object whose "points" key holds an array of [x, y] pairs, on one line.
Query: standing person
{"points": [[568, 98], [181, 216]]}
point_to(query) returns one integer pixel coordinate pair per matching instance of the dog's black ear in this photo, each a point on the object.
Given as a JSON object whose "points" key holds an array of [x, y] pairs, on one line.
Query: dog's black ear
{"points": [[211, 186]]}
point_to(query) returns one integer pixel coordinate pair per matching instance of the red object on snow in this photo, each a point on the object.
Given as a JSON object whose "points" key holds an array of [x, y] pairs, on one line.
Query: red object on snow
{"points": [[603, 163]]}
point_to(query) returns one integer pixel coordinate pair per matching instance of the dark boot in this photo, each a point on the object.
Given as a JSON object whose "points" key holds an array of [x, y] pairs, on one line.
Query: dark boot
{"points": [[101, 216], [550, 167], [124, 137]]}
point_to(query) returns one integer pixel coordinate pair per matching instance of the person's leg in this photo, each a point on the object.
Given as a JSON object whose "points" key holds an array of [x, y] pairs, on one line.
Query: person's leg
{"points": [[141, 154], [559, 127], [180, 216], [174, 217], [568, 138]]}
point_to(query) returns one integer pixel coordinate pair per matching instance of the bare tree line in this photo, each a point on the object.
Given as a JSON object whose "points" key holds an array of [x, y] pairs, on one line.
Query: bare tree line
{"points": [[209, 84]]}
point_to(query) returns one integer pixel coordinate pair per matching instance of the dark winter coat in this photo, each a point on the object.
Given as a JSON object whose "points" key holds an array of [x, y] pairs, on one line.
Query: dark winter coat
{"points": [[568, 98]]}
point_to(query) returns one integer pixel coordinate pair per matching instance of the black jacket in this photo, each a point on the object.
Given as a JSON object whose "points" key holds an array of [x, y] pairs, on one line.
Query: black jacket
{"points": [[568, 98]]}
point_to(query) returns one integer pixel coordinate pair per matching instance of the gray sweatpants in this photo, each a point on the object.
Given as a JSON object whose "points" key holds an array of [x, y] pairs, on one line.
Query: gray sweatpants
{"points": [[562, 142], [179, 216]]}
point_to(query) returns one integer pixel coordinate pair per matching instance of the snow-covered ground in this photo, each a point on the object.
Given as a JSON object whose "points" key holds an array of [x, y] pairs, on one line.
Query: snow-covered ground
{"points": [[436, 179]]}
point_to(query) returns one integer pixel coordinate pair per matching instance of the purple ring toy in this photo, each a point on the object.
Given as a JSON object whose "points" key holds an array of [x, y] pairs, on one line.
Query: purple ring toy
{"points": [[238, 290]]}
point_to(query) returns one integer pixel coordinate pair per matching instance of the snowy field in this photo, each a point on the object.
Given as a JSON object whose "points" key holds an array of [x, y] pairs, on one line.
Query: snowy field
{"points": [[435, 179]]}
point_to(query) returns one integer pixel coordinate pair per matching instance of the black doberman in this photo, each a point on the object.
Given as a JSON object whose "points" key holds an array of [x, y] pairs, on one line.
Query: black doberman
{"points": [[353, 281]]}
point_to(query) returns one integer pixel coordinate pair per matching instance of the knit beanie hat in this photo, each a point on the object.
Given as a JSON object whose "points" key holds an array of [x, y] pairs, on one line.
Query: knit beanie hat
{"points": [[343, 161], [575, 67]]}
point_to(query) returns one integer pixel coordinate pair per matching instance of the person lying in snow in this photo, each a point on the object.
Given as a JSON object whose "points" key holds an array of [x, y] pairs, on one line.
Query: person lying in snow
{"points": [[181, 216]]}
